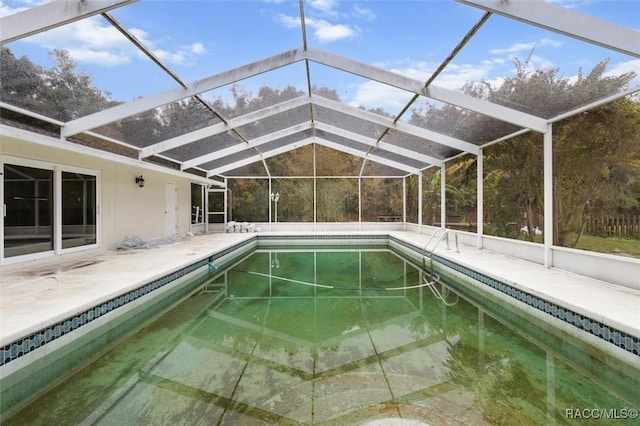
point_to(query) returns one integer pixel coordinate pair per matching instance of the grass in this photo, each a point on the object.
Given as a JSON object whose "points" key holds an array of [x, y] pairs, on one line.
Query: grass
{"points": [[611, 245]]}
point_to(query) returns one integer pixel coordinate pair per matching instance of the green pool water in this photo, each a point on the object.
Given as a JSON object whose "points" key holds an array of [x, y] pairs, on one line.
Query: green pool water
{"points": [[267, 342]]}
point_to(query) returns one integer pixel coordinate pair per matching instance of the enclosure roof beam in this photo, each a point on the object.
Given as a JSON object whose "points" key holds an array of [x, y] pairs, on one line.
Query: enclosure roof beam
{"points": [[307, 141], [381, 145], [567, 22], [363, 154], [438, 93], [217, 128], [253, 143], [147, 103], [399, 126], [51, 15], [258, 157]]}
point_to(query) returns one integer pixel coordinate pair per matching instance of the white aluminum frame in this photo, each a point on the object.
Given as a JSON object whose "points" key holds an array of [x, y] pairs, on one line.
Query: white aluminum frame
{"points": [[56, 206]]}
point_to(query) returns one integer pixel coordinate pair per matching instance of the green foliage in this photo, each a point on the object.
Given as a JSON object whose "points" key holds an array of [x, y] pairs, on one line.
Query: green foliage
{"points": [[596, 153], [61, 92], [595, 156]]}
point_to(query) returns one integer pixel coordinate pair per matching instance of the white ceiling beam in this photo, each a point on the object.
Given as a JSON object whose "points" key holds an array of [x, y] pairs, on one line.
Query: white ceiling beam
{"points": [[236, 164], [253, 143], [567, 22], [37, 140], [362, 154], [217, 128], [51, 15], [381, 145], [399, 126], [438, 93], [215, 81], [258, 157]]}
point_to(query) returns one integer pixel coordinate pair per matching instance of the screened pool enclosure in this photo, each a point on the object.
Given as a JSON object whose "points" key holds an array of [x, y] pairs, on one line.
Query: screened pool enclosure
{"points": [[484, 116]]}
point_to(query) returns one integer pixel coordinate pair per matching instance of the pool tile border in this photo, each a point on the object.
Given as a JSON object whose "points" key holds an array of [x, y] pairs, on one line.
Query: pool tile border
{"points": [[605, 332], [46, 335]]}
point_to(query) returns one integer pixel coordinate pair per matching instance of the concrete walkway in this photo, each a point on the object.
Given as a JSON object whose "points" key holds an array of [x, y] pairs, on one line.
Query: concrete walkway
{"points": [[40, 293], [36, 294]]}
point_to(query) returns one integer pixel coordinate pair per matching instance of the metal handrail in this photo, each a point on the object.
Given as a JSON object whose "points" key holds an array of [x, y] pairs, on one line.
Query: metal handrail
{"points": [[424, 249], [444, 234], [439, 295]]}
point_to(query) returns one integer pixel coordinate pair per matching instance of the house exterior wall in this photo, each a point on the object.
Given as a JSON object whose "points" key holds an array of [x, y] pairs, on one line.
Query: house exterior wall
{"points": [[125, 208]]}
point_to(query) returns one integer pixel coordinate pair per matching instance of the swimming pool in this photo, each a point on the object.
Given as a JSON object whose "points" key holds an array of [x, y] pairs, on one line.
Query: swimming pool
{"points": [[333, 335]]}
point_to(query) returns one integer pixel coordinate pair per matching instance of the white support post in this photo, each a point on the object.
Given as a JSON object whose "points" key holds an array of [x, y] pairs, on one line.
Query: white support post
{"points": [[228, 202], [404, 203], [359, 203], [548, 196], [205, 210], [315, 192], [480, 199], [443, 196], [270, 202], [420, 202]]}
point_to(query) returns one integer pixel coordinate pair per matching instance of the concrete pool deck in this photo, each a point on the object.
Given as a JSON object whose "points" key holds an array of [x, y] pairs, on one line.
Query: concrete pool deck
{"points": [[36, 294]]}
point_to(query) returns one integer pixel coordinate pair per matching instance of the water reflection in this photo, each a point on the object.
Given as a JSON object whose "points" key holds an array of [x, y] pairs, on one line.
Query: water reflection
{"points": [[273, 353]]}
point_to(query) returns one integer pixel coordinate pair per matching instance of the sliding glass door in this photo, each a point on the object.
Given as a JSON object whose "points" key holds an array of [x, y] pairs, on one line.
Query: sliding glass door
{"points": [[28, 210], [47, 209], [78, 209]]}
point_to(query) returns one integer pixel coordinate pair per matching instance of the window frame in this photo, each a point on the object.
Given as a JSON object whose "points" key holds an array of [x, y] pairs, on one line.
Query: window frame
{"points": [[57, 194]]}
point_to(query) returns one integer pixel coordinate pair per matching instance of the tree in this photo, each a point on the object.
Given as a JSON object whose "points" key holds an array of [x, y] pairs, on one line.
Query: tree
{"points": [[593, 152], [60, 92], [22, 81], [69, 93], [595, 159]]}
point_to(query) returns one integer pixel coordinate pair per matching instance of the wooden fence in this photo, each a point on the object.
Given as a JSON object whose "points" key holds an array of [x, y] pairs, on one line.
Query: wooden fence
{"points": [[625, 226]]}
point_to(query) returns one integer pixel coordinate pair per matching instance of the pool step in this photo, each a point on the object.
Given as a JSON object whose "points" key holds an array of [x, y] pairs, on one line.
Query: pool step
{"points": [[213, 288]]}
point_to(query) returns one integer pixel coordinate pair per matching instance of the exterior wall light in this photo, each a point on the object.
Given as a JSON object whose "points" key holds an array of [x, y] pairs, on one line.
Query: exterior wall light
{"points": [[140, 181]]}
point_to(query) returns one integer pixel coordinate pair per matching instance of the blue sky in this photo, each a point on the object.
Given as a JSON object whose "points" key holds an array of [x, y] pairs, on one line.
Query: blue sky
{"points": [[199, 38]]}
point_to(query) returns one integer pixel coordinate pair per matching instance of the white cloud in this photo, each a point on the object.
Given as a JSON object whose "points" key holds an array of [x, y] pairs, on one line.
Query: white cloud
{"points": [[363, 12], [624, 67], [288, 21], [327, 32], [324, 31], [455, 76], [91, 41], [18, 6], [198, 48], [323, 5], [98, 57], [372, 94], [523, 47], [177, 57], [491, 69]]}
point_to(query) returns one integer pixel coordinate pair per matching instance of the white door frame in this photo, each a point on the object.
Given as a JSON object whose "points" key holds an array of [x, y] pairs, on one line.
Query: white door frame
{"points": [[170, 209]]}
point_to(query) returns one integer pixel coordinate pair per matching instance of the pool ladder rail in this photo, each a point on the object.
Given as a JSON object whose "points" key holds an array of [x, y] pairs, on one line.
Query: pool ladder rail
{"points": [[436, 293], [441, 234], [211, 286]]}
